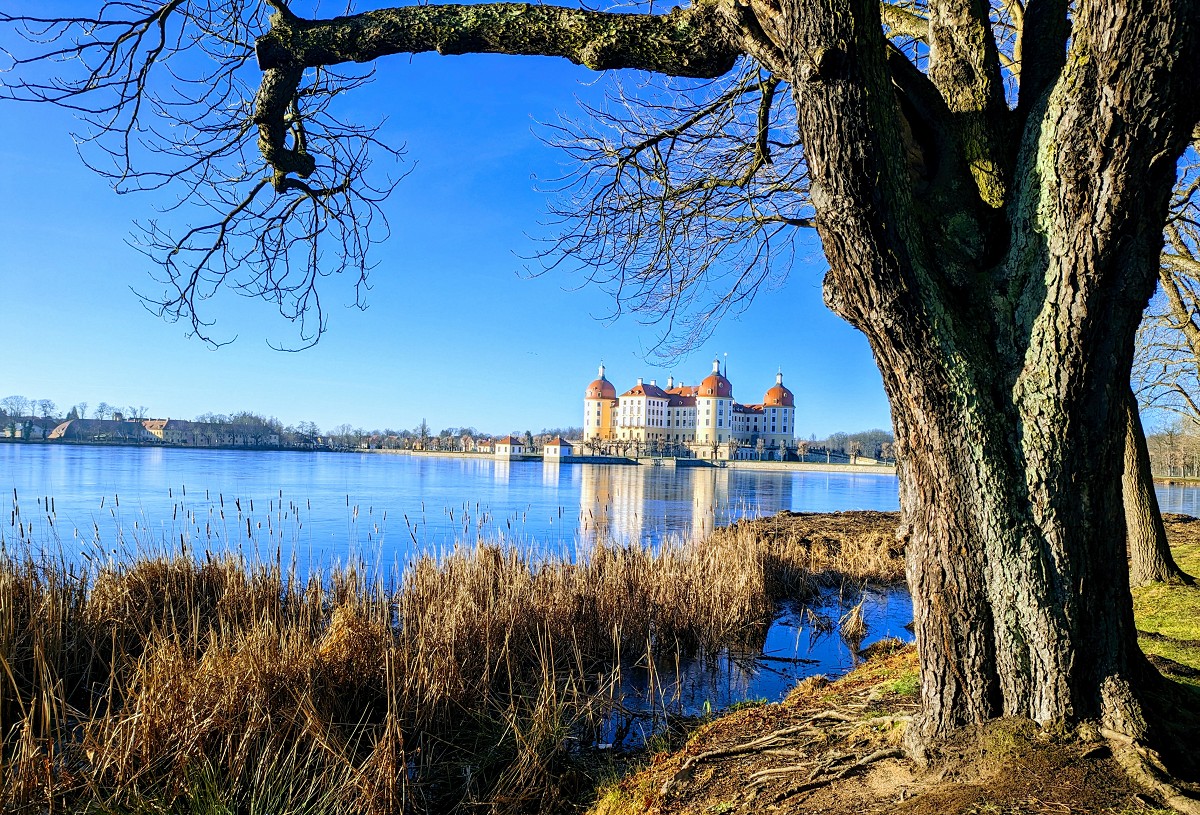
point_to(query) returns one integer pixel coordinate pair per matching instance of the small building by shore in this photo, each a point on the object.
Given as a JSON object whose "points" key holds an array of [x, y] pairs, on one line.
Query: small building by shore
{"points": [[557, 449], [508, 447]]}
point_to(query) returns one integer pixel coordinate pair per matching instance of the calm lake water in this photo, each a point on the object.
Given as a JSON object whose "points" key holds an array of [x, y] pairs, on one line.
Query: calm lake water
{"points": [[326, 508]]}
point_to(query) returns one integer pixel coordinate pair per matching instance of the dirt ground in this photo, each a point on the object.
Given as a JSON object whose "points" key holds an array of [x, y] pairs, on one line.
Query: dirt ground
{"points": [[834, 748]]}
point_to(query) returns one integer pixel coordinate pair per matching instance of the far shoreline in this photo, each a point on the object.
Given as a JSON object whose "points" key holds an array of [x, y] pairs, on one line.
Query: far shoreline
{"points": [[645, 461], [737, 464]]}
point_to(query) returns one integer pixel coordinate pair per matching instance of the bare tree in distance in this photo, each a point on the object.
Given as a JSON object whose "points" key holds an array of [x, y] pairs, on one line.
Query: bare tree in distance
{"points": [[1166, 373], [994, 253], [1166, 377], [16, 405]]}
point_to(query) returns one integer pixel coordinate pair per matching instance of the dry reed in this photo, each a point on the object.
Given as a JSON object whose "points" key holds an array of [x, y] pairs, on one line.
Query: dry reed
{"points": [[212, 684]]}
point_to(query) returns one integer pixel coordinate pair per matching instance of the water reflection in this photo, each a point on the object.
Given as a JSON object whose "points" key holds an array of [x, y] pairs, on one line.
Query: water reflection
{"points": [[629, 504], [791, 651], [1179, 498]]}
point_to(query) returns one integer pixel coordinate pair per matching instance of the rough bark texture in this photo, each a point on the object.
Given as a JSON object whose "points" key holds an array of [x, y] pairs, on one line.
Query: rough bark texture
{"points": [[997, 260], [1150, 559], [1004, 342], [687, 41]]}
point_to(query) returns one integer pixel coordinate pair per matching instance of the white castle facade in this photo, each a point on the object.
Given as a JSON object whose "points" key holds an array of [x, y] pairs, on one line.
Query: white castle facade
{"points": [[698, 420]]}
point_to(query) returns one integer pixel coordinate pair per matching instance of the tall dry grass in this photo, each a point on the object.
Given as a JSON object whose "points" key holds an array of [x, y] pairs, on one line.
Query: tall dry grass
{"points": [[176, 683]]}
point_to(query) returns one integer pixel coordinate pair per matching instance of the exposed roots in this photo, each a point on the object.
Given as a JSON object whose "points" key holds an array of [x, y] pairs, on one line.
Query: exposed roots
{"points": [[813, 783], [822, 745], [1146, 768]]}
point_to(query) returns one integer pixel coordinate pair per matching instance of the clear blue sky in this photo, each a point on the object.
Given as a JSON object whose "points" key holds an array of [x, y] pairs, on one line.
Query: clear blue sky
{"points": [[455, 332]]}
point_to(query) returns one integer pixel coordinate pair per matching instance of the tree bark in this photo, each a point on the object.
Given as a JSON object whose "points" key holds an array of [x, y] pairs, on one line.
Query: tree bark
{"points": [[687, 41], [1004, 335], [1150, 559]]}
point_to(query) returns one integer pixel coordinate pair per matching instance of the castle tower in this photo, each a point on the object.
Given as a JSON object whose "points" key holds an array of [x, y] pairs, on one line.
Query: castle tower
{"points": [[779, 415], [714, 408], [599, 408]]}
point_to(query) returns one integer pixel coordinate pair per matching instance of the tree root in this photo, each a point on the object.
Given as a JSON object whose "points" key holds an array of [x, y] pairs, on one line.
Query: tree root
{"points": [[1146, 768], [815, 728], [784, 735], [811, 784]]}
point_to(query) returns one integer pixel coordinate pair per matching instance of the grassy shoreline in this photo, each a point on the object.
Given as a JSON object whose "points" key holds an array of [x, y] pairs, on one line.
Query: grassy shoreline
{"points": [[182, 683]]}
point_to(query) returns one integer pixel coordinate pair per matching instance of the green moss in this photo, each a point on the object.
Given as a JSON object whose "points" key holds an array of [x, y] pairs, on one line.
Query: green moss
{"points": [[745, 704], [990, 181]]}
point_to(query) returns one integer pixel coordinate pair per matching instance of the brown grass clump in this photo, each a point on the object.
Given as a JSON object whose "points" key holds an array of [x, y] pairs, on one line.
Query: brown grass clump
{"points": [[827, 547], [181, 683], [853, 626]]}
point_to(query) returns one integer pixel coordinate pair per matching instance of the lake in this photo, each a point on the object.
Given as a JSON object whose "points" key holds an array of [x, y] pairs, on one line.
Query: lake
{"points": [[328, 507]]}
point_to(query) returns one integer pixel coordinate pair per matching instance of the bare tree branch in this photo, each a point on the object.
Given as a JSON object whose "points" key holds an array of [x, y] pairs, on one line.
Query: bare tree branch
{"points": [[693, 41], [271, 191], [681, 199]]}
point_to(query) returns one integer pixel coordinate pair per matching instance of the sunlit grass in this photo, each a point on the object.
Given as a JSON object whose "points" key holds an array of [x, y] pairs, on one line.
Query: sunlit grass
{"points": [[1172, 611], [1168, 615]]}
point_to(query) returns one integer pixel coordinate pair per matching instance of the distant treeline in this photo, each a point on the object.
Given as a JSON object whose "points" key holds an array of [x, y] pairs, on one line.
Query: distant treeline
{"points": [[1175, 450], [877, 444], [34, 419]]}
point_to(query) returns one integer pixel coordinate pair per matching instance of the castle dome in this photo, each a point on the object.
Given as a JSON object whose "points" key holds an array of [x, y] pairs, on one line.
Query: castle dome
{"points": [[715, 385], [601, 388], [779, 396]]}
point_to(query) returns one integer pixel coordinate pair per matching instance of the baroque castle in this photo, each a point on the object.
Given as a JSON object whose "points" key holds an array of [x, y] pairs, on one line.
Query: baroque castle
{"points": [[703, 420]]}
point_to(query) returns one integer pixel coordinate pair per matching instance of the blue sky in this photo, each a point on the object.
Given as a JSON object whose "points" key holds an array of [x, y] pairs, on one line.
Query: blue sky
{"points": [[455, 332]]}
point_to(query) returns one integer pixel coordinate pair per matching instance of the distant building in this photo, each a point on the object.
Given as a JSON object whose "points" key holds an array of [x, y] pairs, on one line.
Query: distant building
{"points": [[25, 427], [702, 419], [102, 430], [508, 447], [211, 434], [557, 449], [156, 428], [174, 432]]}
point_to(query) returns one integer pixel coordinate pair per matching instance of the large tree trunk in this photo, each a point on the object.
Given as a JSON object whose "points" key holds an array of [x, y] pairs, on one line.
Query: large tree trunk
{"points": [[1150, 559], [1000, 291]]}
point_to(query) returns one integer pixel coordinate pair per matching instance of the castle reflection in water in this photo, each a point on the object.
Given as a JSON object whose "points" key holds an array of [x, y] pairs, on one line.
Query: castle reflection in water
{"points": [[645, 503], [629, 504]]}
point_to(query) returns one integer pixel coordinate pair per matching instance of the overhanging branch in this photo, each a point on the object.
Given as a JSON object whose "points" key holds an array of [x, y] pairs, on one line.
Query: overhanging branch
{"points": [[696, 41]]}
